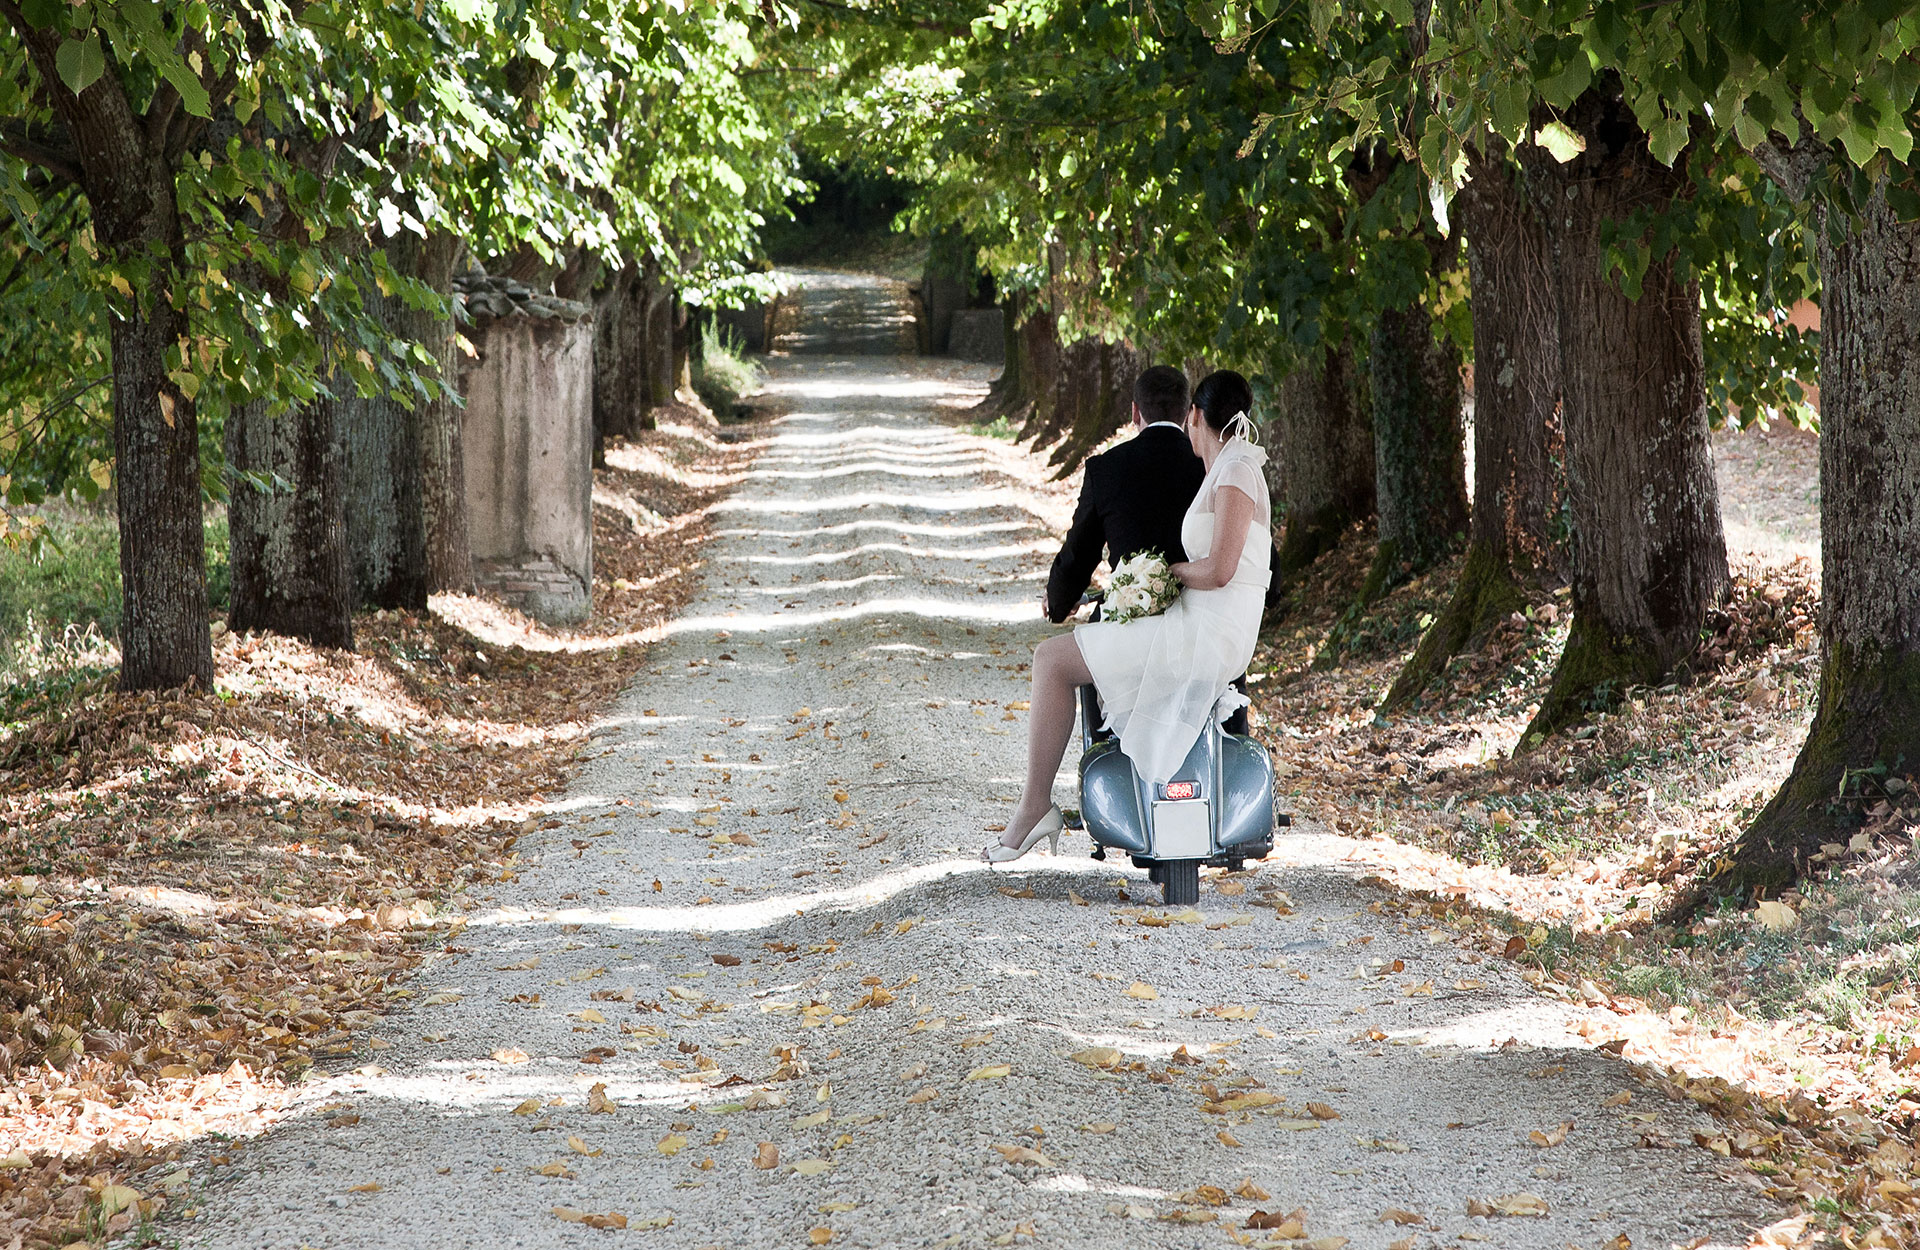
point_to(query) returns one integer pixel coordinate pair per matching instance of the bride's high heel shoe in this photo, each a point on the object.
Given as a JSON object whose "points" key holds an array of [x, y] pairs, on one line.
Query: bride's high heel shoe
{"points": [[1048, 826]]}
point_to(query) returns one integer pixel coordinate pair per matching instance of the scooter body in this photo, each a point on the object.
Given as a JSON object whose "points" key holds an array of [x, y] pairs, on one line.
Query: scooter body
{"points": [[1217, 808]]}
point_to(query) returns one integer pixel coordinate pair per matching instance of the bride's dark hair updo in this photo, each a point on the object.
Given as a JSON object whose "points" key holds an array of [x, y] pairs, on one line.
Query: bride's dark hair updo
{"points": [[1222, 396]]}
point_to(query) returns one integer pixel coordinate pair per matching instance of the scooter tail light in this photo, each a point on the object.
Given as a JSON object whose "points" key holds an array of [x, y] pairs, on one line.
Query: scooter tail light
{"points": [[1182, 789]]}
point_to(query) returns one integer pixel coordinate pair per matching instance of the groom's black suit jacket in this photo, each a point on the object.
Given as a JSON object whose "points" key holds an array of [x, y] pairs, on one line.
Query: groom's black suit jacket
{"points": [[1132, 499]]}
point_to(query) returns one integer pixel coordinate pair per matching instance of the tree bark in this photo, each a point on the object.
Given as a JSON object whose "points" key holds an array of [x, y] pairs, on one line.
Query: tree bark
{"points": [[620, 338], [656, 354], [1040, 357], [128, 179], [1100, 376], [1420, 483], [1865, 738], [289, 541], [164, 635], [682, 349], [1321, 470], [385, 520], [443, 488], [1649, 557], [1517, 491]]}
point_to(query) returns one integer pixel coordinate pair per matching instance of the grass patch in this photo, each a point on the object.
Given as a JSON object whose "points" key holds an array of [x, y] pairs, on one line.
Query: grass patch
{"points": [[723, 375], [60, 597], [1000, 427]]}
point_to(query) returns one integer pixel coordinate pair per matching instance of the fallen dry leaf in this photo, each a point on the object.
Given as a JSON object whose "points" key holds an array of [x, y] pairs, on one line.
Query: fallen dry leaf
{"points": [[610, 1219], [1395, 1215], [766, 1156], [1141, 990], [1023, 1154], [1321, 1111], [1553, 1136], [1250, 1191], [510, 1054], [990, 1072]]}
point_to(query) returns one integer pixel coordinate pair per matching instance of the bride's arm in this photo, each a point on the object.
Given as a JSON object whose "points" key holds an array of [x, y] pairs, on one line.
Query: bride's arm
{"points": [[1232, 519]]}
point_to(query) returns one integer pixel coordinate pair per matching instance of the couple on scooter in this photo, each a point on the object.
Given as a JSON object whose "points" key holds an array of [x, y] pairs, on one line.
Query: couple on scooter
{"points": [[1187, 484]]}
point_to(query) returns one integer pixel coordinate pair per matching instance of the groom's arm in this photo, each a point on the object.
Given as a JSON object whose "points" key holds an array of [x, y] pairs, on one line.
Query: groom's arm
{"points": [[1079, 555]]}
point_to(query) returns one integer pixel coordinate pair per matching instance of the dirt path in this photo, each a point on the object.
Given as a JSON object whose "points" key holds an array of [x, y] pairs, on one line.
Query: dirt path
{"points": [[756, 919]]}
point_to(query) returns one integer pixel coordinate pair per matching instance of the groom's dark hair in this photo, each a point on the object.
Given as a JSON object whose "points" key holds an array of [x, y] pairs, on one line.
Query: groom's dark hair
{"points": [[1161, 394]]}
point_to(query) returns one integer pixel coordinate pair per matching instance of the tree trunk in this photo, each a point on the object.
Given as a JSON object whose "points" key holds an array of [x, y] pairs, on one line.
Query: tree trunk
{"points": [[1040, 358], [164, 638], [656, 354], [682, 351], [289, 541], [1010, 391], [443, 490], [1649, 557], [1865, 739], [386, 525], [1104, 374], [129, 184], [1516, 391], [1321, 470], [619, 347], [1420, 483]]}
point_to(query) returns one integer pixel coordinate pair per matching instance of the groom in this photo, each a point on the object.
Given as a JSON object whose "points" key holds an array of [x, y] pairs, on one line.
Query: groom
{"points": [[1132, 498]]}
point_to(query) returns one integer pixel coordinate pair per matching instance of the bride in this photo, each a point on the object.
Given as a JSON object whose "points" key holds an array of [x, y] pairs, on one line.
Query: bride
{"points": [[1161, 677]]}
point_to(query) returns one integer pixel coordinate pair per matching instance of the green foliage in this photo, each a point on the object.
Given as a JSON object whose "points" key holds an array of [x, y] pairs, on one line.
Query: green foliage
{"points": [[722, 373], [64, 588]]}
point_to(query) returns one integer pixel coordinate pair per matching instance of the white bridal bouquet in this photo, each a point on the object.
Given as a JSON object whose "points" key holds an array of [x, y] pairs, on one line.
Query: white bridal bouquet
{"points": [[1140, 586]]}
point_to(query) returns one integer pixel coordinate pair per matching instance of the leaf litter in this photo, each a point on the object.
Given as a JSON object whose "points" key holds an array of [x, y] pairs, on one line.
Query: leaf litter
{"points": [[235, 927]]}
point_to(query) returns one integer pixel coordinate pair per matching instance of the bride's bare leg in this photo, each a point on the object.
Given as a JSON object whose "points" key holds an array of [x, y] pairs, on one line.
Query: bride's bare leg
{"points": [[1057, 669]]}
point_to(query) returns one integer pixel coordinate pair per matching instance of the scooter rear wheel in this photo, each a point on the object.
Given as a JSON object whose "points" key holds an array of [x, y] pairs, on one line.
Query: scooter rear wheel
{"points": [[1180, 878]]}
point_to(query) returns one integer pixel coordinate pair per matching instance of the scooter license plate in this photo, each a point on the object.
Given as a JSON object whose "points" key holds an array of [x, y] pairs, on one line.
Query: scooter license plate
{"points": [[1182, 830]]}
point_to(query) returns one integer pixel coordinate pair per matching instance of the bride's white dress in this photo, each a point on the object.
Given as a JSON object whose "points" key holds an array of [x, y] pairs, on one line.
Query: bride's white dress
{"points": [[1161, 677]]}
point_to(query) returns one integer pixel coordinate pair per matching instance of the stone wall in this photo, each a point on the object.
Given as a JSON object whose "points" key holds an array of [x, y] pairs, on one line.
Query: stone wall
{"points": [[978, 334], [528, 446]]}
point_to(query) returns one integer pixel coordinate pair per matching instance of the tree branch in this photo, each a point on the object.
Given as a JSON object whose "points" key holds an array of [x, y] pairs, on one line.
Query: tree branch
{"points": [[48, 153]]}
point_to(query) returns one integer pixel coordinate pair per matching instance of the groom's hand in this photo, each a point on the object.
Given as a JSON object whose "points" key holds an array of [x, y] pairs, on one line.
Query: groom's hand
{"points": [[1046, 606]]}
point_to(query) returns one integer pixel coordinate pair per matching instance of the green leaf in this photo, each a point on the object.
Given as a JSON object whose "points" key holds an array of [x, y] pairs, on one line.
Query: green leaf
{"points": [[81, 62], [1666, 137], [1510, 112], [193, 94], [1561, 141]]}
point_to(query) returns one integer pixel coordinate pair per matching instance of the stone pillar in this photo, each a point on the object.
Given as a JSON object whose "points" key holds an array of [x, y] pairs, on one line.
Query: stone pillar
{"points": [[528, 447]]}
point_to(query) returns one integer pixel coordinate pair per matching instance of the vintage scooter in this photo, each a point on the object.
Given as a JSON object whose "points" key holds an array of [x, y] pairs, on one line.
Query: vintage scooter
{"points": [[1218, 807]]}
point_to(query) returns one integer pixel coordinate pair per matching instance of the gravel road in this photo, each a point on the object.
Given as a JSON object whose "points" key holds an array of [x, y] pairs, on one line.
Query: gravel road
{"points": [[756, 931]]}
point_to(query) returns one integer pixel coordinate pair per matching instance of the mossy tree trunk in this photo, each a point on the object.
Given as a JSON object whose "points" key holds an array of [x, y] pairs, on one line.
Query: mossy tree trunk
{"points": [[1321, 465], [1517, 491], [1099, 378], [1649, 557], [1866, 729], [656, 362], [443, 489], [1419, 457], [386, 527], [289, 537], [620, 330]]}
